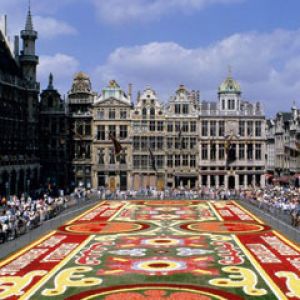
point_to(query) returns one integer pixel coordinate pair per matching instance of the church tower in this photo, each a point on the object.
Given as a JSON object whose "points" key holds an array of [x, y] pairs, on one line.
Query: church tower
{"points": [[28, 58]]}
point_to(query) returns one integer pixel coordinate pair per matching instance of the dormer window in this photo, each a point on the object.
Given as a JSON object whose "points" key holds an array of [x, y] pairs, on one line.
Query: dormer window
{"points": [[185, 109], [177, 109], [144, 113]]}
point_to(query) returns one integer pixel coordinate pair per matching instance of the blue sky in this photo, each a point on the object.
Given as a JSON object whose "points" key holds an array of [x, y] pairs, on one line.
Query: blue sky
{"points": [[163, 43]]}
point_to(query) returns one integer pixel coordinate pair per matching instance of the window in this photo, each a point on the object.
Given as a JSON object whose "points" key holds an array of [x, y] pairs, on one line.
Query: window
{"points": [[170, 161], [136, 161], [192, 142], [185, 126], [144, 113], [250, 128], [112, 114], [249, 151], [193, 161], [213, 151], [100, 114], [112, 160], [177, 109], [144, 143], [152, 125], [177, 160], [231, 104], [123, 114], [101, 156], [177, 126], [87, 129], [144, 162], [223, 104], [112, 130], [170, 142], [160, 126], [204, 128], [185, 160], [221, 128], [152, 112], [123, 157], [204, 152], [185, 109], [193, 126], [213, 129], [257, 128], [184, 142], [258, 151], [241, 151], [159, 143], [170, 127], [152, 142], [242, 128], [123, 132], [159, 161], [100, 132], [136, 143], [221, 151]]}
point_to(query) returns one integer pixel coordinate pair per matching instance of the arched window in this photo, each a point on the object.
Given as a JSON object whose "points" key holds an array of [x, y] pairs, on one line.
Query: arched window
{"points": [[144, 113], [152, 112]]}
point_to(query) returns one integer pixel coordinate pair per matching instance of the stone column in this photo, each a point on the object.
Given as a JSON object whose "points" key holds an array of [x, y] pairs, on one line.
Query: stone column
{"points": [[208, 181], [217, 181], [226, 181]]}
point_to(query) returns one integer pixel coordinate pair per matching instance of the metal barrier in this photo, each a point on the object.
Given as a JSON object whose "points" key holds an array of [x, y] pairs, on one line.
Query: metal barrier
{"points": [[274, 217], [79, 205]]}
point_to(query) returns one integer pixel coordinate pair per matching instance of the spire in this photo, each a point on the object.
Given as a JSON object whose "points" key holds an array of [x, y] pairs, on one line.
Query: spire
{"points": [[29, 25], [50, 82]]}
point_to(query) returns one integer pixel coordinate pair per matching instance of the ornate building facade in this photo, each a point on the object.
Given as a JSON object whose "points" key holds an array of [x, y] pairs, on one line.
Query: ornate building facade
{"points": [[185, 142], [240, 125], [19, 92], [284, 147]]}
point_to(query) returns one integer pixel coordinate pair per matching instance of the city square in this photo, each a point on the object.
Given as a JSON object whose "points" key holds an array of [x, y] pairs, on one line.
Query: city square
{"points": [[121, 180]]}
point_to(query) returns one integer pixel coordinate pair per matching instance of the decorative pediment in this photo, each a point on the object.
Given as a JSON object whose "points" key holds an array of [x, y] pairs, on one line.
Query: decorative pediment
{"points": [[110, 102]]}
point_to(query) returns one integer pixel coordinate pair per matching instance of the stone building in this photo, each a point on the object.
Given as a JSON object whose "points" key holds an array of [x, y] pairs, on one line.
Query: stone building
{"points": [[19, 90], [284, 147], [111, 116], [79, 109], [54, 139], [240, 125], [183, 143], [148, 133]]}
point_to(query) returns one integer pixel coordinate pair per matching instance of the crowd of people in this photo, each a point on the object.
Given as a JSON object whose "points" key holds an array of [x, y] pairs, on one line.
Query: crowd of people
{"points": [[276, 199], [20, 214]]}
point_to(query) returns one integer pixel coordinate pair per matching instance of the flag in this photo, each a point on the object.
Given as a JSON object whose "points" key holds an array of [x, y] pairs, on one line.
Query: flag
{"points": [[152, 160], [117, 145]]}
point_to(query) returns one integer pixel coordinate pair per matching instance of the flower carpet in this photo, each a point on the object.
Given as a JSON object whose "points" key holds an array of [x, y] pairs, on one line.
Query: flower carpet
{"points": [[156, 250]]}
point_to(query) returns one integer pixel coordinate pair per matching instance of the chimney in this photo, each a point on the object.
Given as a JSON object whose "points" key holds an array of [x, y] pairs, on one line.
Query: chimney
{"points": [[129, 90]]}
